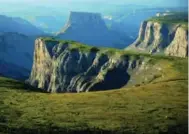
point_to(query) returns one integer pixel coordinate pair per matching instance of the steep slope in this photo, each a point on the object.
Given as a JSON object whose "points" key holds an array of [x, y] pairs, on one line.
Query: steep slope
{"points": [[62, 66], [89, 28], [15, 71], [179, 45], [18, 25], [16, 52], [168, 35]]}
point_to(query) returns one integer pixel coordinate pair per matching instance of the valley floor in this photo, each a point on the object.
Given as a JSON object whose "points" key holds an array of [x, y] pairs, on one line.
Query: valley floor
{"points": [[155, 108]]}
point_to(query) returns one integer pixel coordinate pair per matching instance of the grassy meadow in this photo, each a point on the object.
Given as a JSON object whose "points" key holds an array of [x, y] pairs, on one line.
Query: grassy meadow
{"points": [[159, 107]]}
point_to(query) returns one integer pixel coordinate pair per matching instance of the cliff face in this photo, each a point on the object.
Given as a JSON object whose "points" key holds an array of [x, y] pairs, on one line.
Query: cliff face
{"points": [[89, 28], [179, 46], [65, 67], [16, 52], [157, 37]]}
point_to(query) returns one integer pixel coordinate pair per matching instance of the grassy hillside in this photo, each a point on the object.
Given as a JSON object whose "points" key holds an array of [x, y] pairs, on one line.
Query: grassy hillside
{"points": [[173, 18], [159, 107]]}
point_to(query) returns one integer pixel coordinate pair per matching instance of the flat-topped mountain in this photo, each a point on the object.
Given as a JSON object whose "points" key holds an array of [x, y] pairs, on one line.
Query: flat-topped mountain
{"points": [[86, 19], [90, 28], [167, 34]]}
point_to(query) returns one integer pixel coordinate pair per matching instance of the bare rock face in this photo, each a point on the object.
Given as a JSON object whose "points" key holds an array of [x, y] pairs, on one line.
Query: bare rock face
{"points": [[61, 66], [89, 28], [156, 37], [179, 45]]}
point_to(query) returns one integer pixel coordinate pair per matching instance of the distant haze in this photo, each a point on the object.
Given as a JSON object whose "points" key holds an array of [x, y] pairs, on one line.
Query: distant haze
{"points": [[175, 3]]}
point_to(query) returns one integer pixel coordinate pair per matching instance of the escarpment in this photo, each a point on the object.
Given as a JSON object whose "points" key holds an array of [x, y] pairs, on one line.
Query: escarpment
{"points": [[179, 46], [162, 38], [68, 66]]}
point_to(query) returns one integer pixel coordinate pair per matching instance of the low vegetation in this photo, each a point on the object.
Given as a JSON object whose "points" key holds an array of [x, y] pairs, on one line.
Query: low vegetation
{"points": [[173, 18], [159, 107], [76, 46]]}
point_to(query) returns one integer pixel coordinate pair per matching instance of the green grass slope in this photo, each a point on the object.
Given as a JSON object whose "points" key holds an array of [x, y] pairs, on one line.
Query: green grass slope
{"points": [[158, 107], [174, 18]]}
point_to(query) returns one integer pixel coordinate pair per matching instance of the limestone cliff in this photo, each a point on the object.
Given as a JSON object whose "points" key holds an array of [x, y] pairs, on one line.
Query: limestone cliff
{"points": [[67, 66], [90, 28], [157, 37], [179, 46]]}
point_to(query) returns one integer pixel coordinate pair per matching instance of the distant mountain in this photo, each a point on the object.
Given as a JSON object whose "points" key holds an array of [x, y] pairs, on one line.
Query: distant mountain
{"points": [[89, 28], [16, 53], [48, 23], [13, 71], [128, 19], [18, 25]]}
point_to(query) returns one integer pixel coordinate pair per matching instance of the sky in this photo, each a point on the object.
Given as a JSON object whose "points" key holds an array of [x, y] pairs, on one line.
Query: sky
{"points": [[134, 2]]}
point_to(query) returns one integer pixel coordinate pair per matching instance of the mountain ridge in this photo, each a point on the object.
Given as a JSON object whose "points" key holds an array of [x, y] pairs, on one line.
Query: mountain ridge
{"points": [[18, 25]]}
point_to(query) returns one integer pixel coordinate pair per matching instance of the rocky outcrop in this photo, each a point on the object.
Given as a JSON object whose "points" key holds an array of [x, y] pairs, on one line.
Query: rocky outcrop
{"points": [[90, 28], [179, 46], [16, 55], [61, 66], [157, 37]]}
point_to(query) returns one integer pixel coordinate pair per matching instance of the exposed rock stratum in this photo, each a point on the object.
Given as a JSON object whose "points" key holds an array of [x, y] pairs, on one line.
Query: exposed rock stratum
{"points": [[161, 38], [68, 66]]}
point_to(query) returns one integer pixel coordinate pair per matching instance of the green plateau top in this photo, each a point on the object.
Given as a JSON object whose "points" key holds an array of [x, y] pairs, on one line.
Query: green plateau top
{"points": [[111, 52], [173, 18]]}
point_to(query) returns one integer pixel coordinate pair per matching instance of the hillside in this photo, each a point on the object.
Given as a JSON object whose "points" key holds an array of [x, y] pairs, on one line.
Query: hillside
{"points": [[18, 25], [172, 18], [16, 53], [163, 35], [158, 107]]}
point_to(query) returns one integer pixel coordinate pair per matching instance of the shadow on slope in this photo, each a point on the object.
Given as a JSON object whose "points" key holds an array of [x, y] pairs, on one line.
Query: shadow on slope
{"points": [[13, 84]]}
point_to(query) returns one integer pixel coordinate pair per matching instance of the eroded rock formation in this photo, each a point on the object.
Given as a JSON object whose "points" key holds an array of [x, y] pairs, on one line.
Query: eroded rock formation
{"points": [[157, 37], [61, 66]]}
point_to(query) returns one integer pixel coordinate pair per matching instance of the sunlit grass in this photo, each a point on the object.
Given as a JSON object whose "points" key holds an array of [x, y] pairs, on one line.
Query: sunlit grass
{"points": [[159, 107]]}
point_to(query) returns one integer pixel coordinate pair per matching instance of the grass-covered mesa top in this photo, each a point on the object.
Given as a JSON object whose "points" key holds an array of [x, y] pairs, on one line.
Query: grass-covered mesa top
{"points": [[76, 46], [172, 18]]}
